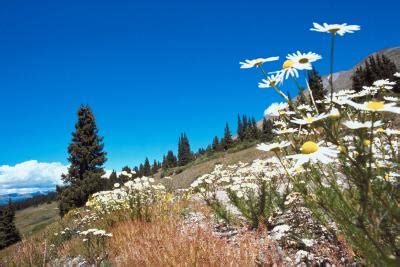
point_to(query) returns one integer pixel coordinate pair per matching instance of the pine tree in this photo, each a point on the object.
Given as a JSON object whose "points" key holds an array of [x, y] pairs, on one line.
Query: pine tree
{"points": [[375, 68], [227, 137], [245, 125], [316, 86], [146, 168], [141, 170], [267, 133], [184, 152], [8, 231], [113, 179], [154, 167], [216, 146], [86, 159], [170, 160], [240, 130], [255, 131]]}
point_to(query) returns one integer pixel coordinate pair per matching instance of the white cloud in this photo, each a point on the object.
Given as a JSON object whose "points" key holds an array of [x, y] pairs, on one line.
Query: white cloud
{"points": [[30, 176]]}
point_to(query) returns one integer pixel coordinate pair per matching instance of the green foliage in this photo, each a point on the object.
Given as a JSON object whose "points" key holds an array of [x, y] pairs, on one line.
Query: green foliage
{"points": [[86, 163], [266, 133], [8, 232], [227, 140], [375, 68], [316, 86], [184, 153]]}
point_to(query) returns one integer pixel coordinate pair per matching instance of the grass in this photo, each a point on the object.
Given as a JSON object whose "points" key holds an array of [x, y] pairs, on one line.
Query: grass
{"points": [[34, 219], [184, 177]]}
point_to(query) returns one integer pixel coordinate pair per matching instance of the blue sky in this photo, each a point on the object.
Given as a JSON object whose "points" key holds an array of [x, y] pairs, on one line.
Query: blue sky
{"points": [[153, 69]]}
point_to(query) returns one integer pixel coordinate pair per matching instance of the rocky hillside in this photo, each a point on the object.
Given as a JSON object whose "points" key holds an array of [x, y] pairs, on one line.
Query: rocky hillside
{"points": [[342, 79]]}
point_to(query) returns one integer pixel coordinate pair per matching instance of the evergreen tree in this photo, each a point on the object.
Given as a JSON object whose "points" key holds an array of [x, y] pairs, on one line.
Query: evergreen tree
{"points": [[155, 167], [316, 86], [240, 129], [146, 168], [254, 128], [245, 125], [184, 152], [215, 144], [267, 134], [113, 179], [141, 170], [8, 231], [86, 159], [171, 160], [227, 137], [375, 68]]}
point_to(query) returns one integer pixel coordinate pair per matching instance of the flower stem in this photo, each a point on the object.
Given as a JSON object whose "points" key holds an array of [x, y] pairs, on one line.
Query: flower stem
{"points": [[331, 67], [274, 86]]}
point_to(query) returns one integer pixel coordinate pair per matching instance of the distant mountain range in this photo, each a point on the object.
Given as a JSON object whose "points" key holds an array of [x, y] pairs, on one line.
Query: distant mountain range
{"points": [[16, 197]]}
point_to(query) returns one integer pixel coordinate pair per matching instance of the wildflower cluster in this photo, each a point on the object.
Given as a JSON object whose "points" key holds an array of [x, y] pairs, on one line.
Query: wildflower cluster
{"points": [[256, 190], [341, 156], [135, 196]]}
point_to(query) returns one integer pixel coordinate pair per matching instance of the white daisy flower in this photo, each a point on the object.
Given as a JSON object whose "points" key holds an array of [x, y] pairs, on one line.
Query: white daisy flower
{"points": [[397, 74], [375, 106], [313, 152], [309, 119], [250, 63], [273, 146], [340, 29], [388, 131], [285, 131], [271, 81], [275, 109], [334, 113], [304, 107], [116, 185], [384, 84], [288, 69], [359, 125], [391, 98], [125, 173], [302, 61]]}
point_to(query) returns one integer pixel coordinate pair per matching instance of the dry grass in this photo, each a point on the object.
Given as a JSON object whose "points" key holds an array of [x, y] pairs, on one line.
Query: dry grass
{"points": [[168, 242]]}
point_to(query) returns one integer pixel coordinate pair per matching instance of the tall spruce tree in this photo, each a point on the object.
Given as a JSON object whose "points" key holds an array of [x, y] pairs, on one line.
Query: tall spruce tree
{"points": [[184, 152], [228, 141], [240, 129], [146, 168], [86, 159], [8, 231]]}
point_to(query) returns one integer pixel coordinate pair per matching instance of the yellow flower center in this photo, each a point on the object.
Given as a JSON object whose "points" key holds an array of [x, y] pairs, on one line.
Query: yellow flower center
{"points": [[310, 119], [334, 30], [309, 147], [342, 149], [366, 142], [380, 130], [375, 105], [386, 177], [258, 61], [287, 64], [304, 60]]}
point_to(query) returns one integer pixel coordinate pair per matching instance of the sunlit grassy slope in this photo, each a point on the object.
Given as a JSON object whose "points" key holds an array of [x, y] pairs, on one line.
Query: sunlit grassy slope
{"points": [[34, 219]]}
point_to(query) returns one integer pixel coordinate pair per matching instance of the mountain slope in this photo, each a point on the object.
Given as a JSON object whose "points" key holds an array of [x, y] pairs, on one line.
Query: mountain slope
{"points": [[342, 79]]}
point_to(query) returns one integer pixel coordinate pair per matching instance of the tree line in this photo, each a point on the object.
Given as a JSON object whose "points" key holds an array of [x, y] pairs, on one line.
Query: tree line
{"points": [[35, 201]]}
